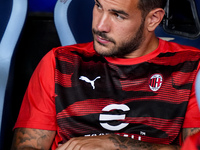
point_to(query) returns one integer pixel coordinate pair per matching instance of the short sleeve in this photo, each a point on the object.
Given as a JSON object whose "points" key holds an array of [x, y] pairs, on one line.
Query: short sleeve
{"points": [[192, 117], [192, 142], [38, 106]]}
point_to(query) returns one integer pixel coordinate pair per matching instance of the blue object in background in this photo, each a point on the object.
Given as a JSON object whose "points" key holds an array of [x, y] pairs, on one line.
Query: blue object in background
{"points": [[41, 5], [13, 21]]}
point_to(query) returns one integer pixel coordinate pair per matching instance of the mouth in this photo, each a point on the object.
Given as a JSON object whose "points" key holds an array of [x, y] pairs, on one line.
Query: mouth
{"points": [[102, 40]]}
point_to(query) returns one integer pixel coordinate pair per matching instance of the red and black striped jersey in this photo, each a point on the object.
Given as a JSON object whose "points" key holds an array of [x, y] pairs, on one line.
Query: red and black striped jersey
{"points": [[143, 98], [77, 92]]}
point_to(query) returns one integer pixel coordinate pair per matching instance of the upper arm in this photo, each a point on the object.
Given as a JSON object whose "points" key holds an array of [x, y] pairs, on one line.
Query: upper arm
{"points": [[32, 138], [188, 132]]}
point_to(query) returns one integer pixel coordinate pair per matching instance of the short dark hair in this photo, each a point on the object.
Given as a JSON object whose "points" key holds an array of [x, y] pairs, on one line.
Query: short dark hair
{"points": [[147, 5]]}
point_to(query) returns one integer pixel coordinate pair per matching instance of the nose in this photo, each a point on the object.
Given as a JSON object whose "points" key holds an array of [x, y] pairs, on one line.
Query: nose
{"points": [[104, 24]]}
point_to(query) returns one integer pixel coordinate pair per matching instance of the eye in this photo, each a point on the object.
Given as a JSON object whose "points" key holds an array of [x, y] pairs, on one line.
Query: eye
{"points": [[118, 16], [98, 6]]}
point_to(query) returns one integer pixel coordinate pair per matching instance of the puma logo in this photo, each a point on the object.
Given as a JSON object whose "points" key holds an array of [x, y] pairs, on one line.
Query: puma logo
{"points": [[83, 78]]}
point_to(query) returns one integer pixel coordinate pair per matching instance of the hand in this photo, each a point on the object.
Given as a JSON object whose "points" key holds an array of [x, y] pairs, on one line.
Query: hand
{"points": [[88, 143], [112, 142]]}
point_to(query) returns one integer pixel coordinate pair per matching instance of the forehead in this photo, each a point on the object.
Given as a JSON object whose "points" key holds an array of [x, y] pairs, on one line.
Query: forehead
{"points": [[126, 5]]}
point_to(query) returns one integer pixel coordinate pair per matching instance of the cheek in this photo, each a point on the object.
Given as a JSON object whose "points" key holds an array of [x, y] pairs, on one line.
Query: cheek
{"points": [[128, 30], [124, 34]]}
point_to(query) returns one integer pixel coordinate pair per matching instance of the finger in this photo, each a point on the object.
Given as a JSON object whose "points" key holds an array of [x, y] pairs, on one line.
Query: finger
{"points": [[69, 145], [59, 147], [73, 144]]}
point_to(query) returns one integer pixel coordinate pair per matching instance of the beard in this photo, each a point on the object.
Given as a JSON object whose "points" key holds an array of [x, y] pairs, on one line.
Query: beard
{"points": [[124, 48]]}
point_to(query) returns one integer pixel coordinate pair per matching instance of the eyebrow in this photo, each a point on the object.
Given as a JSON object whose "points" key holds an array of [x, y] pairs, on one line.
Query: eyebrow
{"points": [[97, 2], [119, 12], [114, 10]]}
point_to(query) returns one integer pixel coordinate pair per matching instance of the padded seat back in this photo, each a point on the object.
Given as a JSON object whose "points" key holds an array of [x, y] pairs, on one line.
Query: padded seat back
{"points": [[73, 20], [12, 17]]}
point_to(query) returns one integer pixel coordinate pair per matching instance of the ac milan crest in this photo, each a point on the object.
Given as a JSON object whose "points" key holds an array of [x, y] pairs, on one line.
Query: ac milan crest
{"points": [[155, 82]]}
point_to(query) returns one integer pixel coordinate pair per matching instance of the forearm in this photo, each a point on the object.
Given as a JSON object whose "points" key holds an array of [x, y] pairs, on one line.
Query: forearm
{"points": [[32, 139], [124, 143]]}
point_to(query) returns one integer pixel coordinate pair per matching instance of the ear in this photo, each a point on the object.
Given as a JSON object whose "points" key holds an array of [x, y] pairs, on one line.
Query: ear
{"points": [[154, 18]]}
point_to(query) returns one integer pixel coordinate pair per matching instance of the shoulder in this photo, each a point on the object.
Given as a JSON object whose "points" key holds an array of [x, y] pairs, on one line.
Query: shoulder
{"points": [[176, 47], [178, 51], [84, 48]]}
